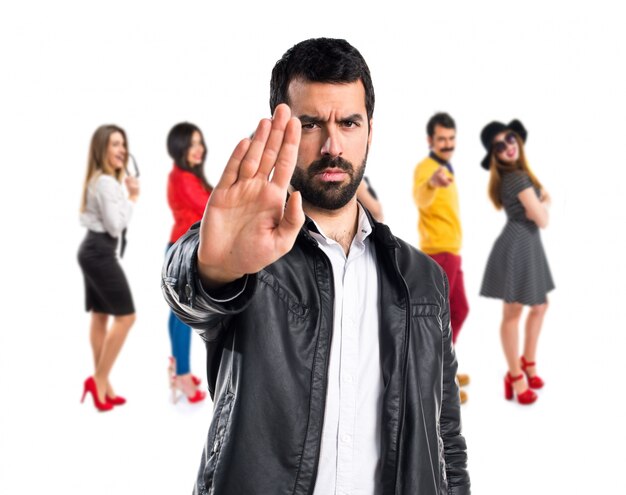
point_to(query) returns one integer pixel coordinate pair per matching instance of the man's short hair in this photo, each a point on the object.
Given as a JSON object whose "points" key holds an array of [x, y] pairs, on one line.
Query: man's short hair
{"points": [[324, 60], [442, 119]]}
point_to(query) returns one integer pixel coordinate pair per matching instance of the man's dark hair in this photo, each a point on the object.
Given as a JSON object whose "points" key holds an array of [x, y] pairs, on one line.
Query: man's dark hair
{"points": [[324, 60], [442, 119]]}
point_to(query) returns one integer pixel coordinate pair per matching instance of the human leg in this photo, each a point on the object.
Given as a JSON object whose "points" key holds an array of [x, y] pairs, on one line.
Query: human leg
{"points": [[180, 338], [509, 335], [97, 333], [111, 347], [97, 336], [183, 380], [534, 322], [459, 306]]}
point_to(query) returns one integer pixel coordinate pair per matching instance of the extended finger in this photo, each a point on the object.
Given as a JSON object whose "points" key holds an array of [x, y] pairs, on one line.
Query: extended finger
{"points": [[288, 154], [250, 162], [231, 171], [275, 140]]}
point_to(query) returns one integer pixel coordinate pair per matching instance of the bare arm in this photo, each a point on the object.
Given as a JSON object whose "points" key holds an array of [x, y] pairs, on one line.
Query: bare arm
{"points": [[246, 225], [369, 201], [536, 210]]}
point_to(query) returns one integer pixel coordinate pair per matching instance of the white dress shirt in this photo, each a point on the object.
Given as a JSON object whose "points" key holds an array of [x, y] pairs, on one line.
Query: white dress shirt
{"points": [[108, 209], [350, 452]]}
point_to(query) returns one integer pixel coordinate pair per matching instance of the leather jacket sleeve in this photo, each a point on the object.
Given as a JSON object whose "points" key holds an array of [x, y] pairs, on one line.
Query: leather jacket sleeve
{"points": [[455, 448], [207, 313]]}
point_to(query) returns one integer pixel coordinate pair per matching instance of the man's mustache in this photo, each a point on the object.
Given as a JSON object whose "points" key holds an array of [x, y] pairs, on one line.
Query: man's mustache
{"points": [[446, 150], [330, 162]]}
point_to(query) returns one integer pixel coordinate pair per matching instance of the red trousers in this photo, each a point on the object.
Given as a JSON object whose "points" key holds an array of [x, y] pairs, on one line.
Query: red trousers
{"points": [[451, 264]]}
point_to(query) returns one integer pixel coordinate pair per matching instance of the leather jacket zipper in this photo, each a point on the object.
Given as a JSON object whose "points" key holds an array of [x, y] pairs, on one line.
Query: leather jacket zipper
{"points": [[318, 251], [332, 319], [405, 361]]}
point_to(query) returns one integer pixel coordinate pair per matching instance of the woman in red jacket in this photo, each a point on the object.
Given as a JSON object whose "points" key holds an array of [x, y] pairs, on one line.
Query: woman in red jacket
{"points": [[187, 194]]}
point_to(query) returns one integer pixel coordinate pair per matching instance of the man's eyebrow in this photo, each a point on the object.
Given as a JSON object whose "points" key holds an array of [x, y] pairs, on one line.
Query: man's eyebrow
{"points": [[311, 119], [355, 117], [308, 119]]}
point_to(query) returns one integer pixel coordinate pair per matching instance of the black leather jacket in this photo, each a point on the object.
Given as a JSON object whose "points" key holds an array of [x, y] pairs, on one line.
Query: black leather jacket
{"points": [[267, 358]]}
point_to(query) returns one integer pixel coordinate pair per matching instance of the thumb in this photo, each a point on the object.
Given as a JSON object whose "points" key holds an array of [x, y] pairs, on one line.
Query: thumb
{"points": [[292, 221]]}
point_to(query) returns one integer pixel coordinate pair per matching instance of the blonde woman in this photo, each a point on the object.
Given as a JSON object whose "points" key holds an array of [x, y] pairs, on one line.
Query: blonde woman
{"points": [[517, 270], [105, 212]]}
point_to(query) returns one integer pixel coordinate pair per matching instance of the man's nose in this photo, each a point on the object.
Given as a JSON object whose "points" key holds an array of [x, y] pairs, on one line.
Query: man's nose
{"points": [[332, 145]]}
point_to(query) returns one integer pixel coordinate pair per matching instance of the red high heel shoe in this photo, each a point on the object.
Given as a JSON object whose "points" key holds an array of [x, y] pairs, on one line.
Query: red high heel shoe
{"points": [[172, 370], [533, 381], [118, 400], [198, 395], [525, 398], [90, 386]]}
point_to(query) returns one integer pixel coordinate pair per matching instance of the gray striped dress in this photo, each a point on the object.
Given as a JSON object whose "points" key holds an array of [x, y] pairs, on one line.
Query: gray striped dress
{"points": [[517, 268]]}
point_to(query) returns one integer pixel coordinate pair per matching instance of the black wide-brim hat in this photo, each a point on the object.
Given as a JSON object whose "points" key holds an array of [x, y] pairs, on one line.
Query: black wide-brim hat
{"points": [[494, 128]]}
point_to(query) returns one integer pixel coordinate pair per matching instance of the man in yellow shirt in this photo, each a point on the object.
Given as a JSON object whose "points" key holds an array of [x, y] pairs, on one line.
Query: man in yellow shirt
{"points": [[436, 196]]}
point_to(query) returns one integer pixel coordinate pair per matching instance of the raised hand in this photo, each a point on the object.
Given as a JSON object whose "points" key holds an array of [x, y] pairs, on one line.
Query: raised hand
{"points": [[440, 178], [132, 185], [246, 225]]}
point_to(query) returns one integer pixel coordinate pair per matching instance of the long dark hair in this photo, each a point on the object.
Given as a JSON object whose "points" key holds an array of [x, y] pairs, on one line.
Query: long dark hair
{"points": [[178, 144]]}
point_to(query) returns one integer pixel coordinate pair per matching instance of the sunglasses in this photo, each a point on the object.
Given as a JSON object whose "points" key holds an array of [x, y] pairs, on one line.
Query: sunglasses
{"points": [[501, 146], [135, 167]]}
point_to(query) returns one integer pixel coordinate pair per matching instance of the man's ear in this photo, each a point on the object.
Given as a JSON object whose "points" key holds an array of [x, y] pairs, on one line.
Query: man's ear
{"points": [[429, 140], [369, 134]]}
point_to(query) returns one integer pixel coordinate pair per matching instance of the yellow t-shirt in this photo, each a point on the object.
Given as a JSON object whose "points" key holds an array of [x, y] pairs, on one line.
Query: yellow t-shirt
{"points": [[439, 225]]}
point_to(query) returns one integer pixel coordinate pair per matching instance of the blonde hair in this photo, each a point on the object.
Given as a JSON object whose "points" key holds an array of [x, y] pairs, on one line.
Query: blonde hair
{"points": [[97, 160], [497, 168]]}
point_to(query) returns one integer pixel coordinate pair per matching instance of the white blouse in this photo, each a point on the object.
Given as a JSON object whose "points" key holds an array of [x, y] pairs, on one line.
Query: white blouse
{"points": [[108, 208]]}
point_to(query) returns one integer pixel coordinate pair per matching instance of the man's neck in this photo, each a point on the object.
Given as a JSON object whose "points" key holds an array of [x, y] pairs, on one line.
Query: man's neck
{"points": [[339, 225], [441, 161], [437, 158]]}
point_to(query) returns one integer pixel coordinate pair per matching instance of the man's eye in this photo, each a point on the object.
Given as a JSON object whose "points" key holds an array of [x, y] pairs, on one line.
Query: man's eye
{"points": [[310, 125], [350, 123]]}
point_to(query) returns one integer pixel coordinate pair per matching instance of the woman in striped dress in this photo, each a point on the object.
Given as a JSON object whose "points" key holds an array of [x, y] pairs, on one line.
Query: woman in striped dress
{"points": [[517, 269]]}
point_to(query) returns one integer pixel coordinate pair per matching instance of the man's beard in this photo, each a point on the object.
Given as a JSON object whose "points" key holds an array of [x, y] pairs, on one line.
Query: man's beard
{"points": [[328, 195]]}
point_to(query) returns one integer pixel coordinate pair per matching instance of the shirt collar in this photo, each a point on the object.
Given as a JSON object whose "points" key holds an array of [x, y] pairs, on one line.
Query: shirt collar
{"points": [[446, 164], [363, 229]]}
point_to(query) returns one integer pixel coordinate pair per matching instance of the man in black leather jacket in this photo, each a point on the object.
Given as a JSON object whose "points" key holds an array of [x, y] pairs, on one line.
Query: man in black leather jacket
{"points": [[329, 352]]}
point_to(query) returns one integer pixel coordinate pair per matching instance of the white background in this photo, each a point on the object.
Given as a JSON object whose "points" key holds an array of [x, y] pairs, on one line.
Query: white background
{"points": [[68, 67]]}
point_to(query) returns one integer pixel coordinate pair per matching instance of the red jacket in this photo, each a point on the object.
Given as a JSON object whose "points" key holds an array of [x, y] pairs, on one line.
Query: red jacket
{"points": [[187, 199]]}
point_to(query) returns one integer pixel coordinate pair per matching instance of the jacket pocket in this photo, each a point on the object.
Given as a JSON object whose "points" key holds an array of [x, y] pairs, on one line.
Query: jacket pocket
{"points": [[295, 307], [425, 309], [216, 439]]}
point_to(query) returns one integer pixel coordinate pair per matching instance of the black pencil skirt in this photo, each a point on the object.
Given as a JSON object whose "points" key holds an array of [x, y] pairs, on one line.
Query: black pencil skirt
{"points": [[106, 288]]}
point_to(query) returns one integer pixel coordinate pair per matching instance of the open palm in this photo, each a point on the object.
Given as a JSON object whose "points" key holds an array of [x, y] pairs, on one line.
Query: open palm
{"points": [[246, 225]]}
